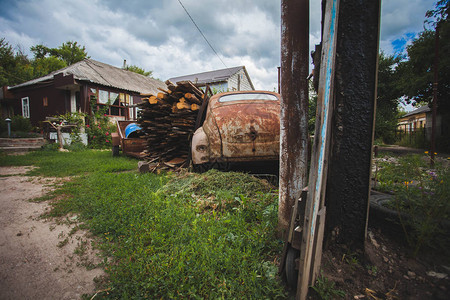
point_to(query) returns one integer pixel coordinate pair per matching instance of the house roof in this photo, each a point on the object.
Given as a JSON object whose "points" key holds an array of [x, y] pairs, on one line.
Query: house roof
{"points": [[210, 77], [103, 74], [422, 109]]}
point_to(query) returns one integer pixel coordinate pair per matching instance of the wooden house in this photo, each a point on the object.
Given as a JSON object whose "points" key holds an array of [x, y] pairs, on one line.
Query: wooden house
{"points": [[420, 120], [81, 86], [225, 80]]}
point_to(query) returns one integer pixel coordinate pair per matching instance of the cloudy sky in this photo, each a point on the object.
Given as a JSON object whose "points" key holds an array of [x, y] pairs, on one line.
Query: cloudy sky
{"points": [[158, 35]]}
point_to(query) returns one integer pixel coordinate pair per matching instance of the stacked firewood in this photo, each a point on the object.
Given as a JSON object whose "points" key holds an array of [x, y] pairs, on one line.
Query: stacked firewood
{"points": [[168, 121]]}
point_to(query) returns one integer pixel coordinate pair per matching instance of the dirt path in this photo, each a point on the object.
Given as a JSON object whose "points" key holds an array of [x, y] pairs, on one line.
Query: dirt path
{"points": [[39, 259]]}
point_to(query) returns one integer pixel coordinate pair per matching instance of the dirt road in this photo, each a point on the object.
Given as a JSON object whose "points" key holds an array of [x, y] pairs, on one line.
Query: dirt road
{"points": [[40, 259]]}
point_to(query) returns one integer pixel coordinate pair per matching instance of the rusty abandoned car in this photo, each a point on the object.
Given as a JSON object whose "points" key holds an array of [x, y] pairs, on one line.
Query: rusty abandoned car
{"points": [[239, 127]]}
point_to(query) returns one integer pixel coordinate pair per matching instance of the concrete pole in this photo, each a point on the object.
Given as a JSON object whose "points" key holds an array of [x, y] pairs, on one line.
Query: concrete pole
{"points": [[294, 106]]}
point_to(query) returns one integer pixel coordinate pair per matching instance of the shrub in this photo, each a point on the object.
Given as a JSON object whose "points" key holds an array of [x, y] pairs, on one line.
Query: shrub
{"points": [[3, 126], [19, 123], [99, 127], [421, 198]]}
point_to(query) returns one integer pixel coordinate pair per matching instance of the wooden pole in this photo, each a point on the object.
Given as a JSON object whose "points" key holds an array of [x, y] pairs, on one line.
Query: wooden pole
{"points": [[435, 90], [294, 106]]}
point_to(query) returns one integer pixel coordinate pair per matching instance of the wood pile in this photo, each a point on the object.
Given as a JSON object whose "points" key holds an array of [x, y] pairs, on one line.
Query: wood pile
{"points": [[168, 121]]}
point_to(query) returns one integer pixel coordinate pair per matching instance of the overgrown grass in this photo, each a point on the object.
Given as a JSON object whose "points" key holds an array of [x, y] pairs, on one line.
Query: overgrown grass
{"points": [[170, 236], [61, 164], [421, 198]]}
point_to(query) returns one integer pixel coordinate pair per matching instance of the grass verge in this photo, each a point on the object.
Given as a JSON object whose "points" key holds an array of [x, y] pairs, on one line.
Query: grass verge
{"points": [[168, 236], [61, 164], [172, 236]]}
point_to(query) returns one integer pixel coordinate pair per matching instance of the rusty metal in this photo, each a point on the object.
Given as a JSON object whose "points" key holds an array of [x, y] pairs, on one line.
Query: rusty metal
{"points": [[349, 170], [294, 105], [239, 130]]}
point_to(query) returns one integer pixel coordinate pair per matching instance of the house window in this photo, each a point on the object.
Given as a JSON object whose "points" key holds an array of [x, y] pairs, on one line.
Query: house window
{"points": [[103, 97], [45, 101], [113, 100], [26, 107]]}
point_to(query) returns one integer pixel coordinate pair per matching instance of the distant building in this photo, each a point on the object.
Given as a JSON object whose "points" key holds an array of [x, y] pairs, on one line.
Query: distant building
{"points": [[420, 120], [78, 87], [414, 120], [231, 79]]}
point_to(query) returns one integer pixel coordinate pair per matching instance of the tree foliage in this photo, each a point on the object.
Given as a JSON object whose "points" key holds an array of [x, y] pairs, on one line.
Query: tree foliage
{"points": [[69, 52], [139, 70], [15, 67], [388, 95], [416, 74]]}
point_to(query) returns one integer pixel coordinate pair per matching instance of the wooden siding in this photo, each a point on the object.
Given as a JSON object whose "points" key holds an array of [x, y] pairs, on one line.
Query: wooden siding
{"points": [[239, 82], [57, 102]]}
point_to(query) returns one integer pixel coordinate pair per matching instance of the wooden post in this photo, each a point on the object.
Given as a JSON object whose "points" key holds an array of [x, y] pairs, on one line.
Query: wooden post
{"points": [[294, 106], [349, 170], [311, 250]]}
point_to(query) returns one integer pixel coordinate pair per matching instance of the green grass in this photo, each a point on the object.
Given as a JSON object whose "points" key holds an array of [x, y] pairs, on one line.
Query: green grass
{"points": [[61, 164], [169, 236]]}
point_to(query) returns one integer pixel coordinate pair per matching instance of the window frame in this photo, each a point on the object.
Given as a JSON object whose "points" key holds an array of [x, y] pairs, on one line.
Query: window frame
{"points": [[25, 108]]}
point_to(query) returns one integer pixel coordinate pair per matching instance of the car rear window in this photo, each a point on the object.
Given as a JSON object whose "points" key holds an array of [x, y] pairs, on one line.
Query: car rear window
{"points": [[250, 96]]}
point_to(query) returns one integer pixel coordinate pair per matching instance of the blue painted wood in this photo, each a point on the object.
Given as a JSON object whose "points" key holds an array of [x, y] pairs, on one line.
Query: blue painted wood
{"points": [[312, 244]]}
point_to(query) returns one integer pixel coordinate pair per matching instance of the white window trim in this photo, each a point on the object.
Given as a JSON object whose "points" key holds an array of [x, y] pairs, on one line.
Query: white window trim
{"points": [[26, 108]]}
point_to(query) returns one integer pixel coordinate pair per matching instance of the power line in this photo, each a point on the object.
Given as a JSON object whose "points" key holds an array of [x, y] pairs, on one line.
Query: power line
{"points": [[202, 33]]}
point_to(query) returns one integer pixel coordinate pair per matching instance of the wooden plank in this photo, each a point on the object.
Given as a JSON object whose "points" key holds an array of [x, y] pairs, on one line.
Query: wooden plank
{"points": [[318, 171], [318, 245]]}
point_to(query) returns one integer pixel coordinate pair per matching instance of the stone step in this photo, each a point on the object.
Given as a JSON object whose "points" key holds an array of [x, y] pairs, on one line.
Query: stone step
{"points": [[19, 149], [22, 142]]}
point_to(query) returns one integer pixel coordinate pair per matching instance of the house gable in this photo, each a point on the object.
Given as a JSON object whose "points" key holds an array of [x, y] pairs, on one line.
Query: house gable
{"points": [[230, 79]]}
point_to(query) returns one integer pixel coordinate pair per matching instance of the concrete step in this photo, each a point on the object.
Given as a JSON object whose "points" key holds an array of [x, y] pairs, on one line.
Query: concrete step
{"points": [[19, 149], [21, 144]]}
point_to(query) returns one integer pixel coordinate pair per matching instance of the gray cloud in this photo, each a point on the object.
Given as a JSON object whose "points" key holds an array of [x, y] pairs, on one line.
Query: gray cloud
{"points": [[159, 36]]}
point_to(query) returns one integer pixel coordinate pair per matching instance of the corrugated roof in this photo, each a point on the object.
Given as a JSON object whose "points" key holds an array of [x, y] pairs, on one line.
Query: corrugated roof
{"points": [[421, 109], [100, 73], [209, 77]]}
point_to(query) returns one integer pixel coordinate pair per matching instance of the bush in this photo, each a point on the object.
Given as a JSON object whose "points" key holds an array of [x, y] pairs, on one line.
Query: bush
{"points": [[421, 195], [99, 128], [3, 126], [99, 134], [19, 123], [416, 139]]}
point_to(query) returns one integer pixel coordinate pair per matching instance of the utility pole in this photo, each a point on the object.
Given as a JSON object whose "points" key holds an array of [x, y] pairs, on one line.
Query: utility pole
{"points": [[294, 106], [435, 91]]}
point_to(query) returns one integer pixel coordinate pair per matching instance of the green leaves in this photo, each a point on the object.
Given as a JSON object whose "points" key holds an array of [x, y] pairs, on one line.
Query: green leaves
{"points": [[16, 67]]}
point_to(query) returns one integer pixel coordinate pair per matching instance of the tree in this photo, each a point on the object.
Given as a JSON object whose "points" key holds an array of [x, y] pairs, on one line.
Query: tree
{"points": [[416, 74], [15, 67], [139, 70], [69, 52], [388, 95], [7, 62], [45, 65]]}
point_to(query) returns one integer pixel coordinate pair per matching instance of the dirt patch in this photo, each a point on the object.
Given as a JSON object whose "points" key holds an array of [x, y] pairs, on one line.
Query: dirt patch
{"points": [[40, 259], [386, 271]]}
